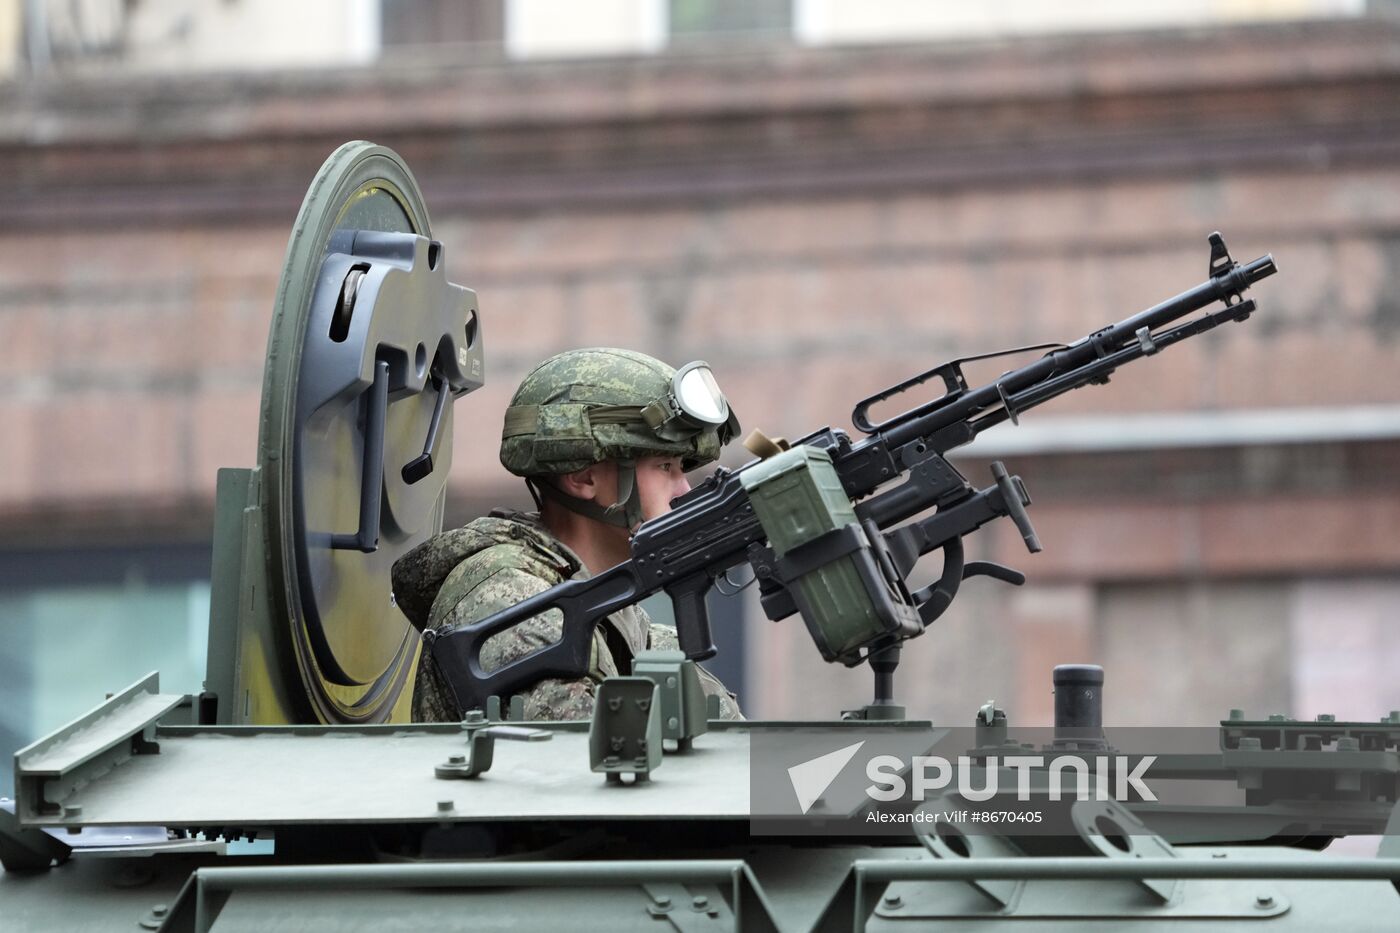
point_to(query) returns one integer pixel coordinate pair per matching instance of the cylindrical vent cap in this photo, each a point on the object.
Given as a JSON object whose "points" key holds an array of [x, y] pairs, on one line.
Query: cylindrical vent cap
{"points": [[1078, 696]]}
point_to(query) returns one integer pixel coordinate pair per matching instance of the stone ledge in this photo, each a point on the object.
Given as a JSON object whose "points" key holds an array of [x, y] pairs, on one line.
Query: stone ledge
{"points": [[798, 122]]}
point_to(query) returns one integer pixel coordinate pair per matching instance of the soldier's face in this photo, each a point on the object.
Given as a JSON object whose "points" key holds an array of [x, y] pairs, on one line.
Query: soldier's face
{"points": [[659, 480]]}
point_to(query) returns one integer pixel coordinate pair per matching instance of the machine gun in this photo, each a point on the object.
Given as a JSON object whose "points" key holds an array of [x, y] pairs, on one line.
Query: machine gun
{"points": [[822, 536]]}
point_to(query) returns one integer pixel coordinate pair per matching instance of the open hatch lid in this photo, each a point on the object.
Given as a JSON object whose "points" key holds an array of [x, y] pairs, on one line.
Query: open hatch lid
{"points": [[369, 345]]}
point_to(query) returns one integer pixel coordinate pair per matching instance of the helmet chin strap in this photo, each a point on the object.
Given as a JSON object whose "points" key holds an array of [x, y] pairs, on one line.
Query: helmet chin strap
{"points": [[625, 513]]}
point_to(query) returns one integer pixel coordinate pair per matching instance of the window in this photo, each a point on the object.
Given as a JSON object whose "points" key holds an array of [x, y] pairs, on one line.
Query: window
{"points": [[78, 625], [707, 20], [416, 23]]}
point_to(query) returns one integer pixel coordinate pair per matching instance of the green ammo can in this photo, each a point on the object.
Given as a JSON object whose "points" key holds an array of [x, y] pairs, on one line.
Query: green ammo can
{"points": [[835, 580]]}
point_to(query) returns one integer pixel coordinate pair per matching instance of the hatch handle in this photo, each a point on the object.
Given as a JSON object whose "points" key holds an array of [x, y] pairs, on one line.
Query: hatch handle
{"points": [[422, 465], [366, 539]]}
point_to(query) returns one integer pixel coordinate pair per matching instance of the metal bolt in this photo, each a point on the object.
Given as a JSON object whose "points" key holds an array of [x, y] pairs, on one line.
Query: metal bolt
{"points": [[1263, 901], [1218, 855], [445, 806], [456, 759], [160, 910], [700, 902], [662, 900], [1236, 715], [894, 901], [72, 812], [474, 716]]}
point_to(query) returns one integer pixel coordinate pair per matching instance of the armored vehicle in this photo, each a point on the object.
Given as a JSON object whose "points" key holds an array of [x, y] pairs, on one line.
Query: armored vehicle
{"points": [[293, 794]]}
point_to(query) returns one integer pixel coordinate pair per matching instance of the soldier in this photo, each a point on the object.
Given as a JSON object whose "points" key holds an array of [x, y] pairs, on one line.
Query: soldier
{"points": [[603, 438]]}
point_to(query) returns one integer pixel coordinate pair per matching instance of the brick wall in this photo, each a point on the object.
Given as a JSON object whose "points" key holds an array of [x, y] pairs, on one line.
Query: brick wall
{"points": [[816, 224]]}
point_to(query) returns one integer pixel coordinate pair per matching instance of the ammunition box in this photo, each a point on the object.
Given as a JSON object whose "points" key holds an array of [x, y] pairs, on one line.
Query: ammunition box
{"points": [[798, 498]]}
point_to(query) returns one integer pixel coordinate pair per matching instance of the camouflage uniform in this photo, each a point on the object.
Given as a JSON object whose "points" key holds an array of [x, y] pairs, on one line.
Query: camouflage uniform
{"points": [[493, 563]]}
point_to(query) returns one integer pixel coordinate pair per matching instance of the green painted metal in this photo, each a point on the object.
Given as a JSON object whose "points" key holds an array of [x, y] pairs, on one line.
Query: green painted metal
{"points": [[211, 889], [48, 771], [360, 187], [251, 676], [681, 697], [1222, 889], [481, 752], [382, 775], [624, 736], [230, 599], [1305, 866], [797, 495]]}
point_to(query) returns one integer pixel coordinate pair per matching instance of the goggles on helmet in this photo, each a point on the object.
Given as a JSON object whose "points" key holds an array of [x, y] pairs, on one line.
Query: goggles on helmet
{"points": [[694, 404]]}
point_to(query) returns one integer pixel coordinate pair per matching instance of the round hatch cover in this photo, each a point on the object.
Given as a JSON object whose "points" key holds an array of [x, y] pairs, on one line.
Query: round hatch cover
{"points": [[369, 345]]}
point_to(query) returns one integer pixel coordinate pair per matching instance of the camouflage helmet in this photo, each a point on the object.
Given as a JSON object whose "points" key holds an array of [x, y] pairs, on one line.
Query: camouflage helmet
{"points": [[586, 406]]}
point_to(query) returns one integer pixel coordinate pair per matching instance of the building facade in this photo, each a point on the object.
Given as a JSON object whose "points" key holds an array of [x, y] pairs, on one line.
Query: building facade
{"points": [[817, 221]]}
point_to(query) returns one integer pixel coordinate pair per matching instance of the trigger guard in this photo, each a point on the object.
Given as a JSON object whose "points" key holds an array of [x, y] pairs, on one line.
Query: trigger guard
{"points": [[933, 601]]}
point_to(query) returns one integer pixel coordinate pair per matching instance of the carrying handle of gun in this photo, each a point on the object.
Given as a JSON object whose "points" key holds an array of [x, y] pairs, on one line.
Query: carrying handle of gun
{"points": [[582, 603], [692, 617], [1014, 494], [954, 384]]}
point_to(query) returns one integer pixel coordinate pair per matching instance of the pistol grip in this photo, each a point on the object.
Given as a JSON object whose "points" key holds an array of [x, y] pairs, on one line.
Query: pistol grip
{"points": [[692, 617]]}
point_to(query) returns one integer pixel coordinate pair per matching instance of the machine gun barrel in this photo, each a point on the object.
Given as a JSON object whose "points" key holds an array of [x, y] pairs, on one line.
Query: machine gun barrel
{"points": [[950, 409], [1099, 369]]}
